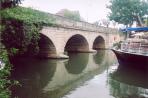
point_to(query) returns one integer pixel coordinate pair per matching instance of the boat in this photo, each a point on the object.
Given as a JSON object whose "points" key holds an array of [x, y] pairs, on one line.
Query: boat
{"points": [[133, 51]]}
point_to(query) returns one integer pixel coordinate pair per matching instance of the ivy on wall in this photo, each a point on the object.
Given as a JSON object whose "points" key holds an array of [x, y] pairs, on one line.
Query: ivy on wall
{"points": [[17, 36], [19, 33], [21, 27]]}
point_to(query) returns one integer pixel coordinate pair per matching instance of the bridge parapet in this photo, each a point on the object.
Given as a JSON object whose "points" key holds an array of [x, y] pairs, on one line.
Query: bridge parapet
{"points": [[69, 23]]}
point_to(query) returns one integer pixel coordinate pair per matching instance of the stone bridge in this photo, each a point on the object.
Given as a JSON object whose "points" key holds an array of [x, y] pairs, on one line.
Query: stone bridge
{"points": [[74, 36]]}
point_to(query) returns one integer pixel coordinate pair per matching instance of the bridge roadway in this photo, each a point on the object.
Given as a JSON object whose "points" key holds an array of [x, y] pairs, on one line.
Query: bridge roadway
{"points": [[74, 36]]}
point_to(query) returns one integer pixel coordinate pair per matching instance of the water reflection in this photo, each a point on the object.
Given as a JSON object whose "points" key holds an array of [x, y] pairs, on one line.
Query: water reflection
{"points": [[127, 82], [45, 78], [99, 57], [77, 62], [33, 75]]}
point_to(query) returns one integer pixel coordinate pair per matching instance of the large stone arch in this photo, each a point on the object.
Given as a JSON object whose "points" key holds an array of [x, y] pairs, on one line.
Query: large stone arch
{"points": [[77, 43], [99, 43], [46, 47]]}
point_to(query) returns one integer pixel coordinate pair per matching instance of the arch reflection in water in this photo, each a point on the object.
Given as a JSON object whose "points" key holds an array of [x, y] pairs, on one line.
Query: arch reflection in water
{"points": [[127, 82], [99, 57], [77, 62], [33, 75]]}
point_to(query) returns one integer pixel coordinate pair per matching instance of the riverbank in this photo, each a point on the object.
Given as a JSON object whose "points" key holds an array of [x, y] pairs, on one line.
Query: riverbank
{"points": [[4, 74]]}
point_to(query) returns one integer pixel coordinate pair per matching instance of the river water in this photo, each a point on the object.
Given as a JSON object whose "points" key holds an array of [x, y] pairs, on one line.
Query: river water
{"points": [[83, 75]]}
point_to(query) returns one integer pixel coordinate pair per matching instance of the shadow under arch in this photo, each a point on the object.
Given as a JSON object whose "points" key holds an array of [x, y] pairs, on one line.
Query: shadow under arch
{"points": [[77, 43], [130, 82], [99, 56], [77, 62], [33, 74], [99, 43], [46, 47]]}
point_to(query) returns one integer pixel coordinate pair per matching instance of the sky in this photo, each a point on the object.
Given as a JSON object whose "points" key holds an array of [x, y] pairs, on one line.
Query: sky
{"points": [[90, 10]]}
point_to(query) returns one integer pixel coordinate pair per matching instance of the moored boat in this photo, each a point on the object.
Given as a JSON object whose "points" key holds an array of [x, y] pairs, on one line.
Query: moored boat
{"points": [[132, 52], [132, 59]]}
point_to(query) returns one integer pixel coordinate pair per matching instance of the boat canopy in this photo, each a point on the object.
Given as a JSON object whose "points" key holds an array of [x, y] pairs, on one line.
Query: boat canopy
{"points": [[136, 29]]}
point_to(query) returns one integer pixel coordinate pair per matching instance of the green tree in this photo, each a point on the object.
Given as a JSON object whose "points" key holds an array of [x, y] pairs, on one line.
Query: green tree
{"points": [[128, 11], [9, 3], [146, 21], [74, 15]]}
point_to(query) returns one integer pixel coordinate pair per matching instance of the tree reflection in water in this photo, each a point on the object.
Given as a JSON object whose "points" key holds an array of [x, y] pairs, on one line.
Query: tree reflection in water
{"points": [[33, 75], [128, 82]]}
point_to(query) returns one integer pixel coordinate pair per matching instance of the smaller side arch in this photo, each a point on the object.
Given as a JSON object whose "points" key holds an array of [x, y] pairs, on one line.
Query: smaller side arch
{"points": [[47, 48], [99, 43]]}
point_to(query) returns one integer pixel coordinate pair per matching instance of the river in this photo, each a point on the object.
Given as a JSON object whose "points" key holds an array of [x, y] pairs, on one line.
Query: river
{"points": [[83, 75]]}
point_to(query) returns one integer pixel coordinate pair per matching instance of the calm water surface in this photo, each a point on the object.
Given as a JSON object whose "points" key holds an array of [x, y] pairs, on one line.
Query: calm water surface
{"points": [[83, 75]]}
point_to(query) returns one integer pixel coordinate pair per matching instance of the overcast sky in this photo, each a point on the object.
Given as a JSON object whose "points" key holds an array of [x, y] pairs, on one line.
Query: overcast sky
{"points": [[90, 10]]}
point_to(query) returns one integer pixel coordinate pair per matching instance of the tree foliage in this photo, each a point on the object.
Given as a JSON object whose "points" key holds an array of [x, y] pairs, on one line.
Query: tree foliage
{"points": [[27, 15], [74, 15], [9, 3], [4, 73], [20, 33], [126, 11], [146, 21]]}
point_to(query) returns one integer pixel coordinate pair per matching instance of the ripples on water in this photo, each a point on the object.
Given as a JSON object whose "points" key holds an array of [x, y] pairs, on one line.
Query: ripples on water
{"points": [[83, 75]]}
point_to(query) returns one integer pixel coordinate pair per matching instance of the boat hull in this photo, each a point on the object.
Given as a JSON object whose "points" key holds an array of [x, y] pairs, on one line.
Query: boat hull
{"points": [[131, 59]]}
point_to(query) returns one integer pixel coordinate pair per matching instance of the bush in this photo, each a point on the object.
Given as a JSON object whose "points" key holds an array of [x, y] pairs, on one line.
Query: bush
{"points": [[19, 32], [27, 15], [21, 26], [4, 73], [17, 36]]}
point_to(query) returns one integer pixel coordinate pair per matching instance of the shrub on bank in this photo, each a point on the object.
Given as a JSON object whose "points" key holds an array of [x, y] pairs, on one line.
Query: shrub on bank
{"points": [[21, 26], [19, 33], [4, 73]]}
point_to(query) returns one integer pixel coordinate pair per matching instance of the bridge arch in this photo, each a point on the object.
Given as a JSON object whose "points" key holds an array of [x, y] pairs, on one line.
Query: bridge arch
{"points": [[77, 43], [99, 43], [46, 47]]}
